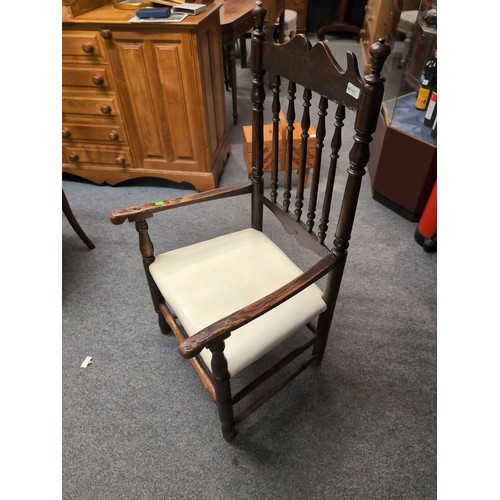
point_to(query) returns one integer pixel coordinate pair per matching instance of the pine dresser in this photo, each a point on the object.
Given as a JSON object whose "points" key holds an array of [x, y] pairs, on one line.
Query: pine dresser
{"points": [[143, 100]]}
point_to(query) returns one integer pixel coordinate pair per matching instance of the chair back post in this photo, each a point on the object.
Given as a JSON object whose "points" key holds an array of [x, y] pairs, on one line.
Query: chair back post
{"points": [[365, 124], [258, 95]]}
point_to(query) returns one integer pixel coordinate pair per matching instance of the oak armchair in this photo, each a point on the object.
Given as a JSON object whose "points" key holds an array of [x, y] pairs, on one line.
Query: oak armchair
{"points": [[225, 313]]}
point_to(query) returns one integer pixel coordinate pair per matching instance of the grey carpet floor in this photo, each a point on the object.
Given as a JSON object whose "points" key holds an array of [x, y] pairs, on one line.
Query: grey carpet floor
{"points": [[137, 423]]}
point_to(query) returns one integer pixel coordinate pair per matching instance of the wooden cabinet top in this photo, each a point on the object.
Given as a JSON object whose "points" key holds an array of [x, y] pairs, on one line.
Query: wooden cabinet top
{"points": [[110, 15]]}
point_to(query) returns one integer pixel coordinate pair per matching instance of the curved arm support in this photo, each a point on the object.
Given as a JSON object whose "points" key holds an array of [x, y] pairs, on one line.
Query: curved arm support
{"points": [[222, 329], [146, 211]]}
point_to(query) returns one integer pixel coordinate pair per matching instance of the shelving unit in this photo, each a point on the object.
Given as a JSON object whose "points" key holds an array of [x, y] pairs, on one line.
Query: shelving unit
{"points": [[403, 162]]}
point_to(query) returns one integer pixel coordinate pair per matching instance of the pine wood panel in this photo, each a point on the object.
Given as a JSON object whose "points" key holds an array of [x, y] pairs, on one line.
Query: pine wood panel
{"points": [[381, 18]]}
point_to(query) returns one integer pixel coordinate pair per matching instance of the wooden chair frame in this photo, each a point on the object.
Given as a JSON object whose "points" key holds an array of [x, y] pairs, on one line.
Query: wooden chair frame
{"points": [[314, 68]]}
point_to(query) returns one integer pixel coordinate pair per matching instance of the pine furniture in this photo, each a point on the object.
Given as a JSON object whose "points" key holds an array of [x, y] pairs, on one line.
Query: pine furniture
{"points": [[381, 20], [143, 100]]}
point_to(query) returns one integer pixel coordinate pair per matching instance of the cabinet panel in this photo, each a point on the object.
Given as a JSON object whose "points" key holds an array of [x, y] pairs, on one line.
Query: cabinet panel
{"points": [[177, 94], [381, 17], [142, 102], [211, 61], [160, 80]]}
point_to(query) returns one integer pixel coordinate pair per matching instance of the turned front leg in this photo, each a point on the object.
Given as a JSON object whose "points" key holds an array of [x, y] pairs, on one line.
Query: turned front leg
{"points": [[223, 390], [148, 257]]}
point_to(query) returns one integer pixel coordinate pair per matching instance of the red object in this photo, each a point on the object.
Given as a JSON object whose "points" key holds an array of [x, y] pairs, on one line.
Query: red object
{"points": [[426, 232]]}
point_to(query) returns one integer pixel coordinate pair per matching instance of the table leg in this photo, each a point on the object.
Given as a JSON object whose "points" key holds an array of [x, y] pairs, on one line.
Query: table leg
{"points": [[224, 63], [231, 62], [74, 223], [243, 51]]}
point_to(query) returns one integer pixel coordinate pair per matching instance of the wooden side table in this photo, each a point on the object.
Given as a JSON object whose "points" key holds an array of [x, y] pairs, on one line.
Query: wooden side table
{"points": [[339, 25], [66, 208], [235, 20]]}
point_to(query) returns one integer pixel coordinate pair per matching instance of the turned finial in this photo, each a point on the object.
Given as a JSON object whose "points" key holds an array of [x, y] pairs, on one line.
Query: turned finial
{"points": [[379, 52], [259, 13]]}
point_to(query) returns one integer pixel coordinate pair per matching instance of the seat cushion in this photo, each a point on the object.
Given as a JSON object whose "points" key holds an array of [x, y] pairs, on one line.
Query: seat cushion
{"points": [[204, 282]]}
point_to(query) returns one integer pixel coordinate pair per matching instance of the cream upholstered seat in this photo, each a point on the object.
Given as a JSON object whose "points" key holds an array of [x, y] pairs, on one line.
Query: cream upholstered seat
{"points": [[204, 282]]}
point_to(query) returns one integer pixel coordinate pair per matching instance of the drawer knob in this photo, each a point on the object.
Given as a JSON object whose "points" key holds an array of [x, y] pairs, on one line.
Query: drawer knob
{"points": [[105, 109], [73, 157], [66, 132], [113, 136], [106, 34], [120, 160], [88, 48], [98, 80]]}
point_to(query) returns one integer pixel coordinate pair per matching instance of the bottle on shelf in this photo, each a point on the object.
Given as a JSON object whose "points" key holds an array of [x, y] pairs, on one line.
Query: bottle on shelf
{"points": [[431, 112], [434, 129], [427, 83]]}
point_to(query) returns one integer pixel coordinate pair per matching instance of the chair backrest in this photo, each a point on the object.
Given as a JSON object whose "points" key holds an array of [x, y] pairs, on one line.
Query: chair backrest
{"points": [[316, 70]]}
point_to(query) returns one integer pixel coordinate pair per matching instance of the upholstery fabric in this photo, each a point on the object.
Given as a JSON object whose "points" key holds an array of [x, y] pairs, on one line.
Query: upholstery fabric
{"points": [[204, 282]]}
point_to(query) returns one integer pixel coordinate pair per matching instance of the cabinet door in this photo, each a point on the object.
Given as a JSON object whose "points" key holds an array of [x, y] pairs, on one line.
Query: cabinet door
{"points": [[157, 77]]}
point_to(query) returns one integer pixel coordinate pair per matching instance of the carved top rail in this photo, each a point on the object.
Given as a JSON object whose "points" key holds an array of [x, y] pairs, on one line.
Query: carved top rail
{"points": [[315, 68]]}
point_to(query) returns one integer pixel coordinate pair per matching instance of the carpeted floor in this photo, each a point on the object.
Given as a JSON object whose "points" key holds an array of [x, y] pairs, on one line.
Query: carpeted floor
{"points": [[137, 423]]}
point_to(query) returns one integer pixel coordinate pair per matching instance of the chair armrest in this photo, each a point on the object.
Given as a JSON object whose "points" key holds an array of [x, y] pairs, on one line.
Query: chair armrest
{"points": [[146, 211], [194, 344]]}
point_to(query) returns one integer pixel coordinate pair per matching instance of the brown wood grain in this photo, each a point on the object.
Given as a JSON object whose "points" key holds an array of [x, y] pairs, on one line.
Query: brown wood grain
{"points": [[147, 210]]}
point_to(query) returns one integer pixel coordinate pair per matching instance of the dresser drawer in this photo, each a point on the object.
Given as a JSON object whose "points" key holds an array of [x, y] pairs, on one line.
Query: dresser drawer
{"points": [[90, 105], [84, 154], [94, 77], [93, 132], [83, 46]]}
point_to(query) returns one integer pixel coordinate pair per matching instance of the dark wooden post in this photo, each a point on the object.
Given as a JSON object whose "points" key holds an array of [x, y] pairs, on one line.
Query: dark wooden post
{"points": [[148, 257], [305, 125], [290, 120], [223, 390], [332, 170], [258, 96], [320, 137], [365, 124], [276, 108]]}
